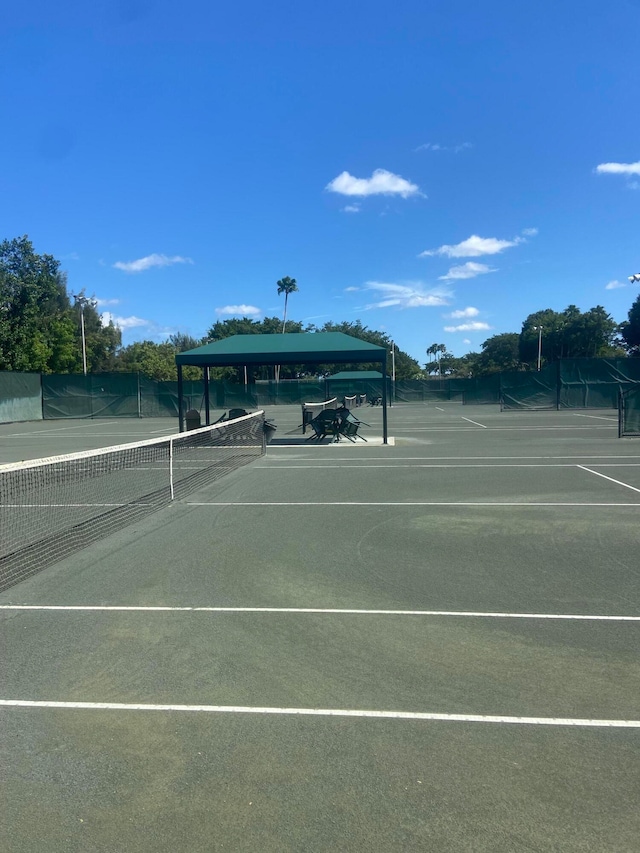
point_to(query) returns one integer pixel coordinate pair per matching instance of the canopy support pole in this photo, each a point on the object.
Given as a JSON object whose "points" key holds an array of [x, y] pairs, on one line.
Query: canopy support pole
{"points": [[180, 404]]}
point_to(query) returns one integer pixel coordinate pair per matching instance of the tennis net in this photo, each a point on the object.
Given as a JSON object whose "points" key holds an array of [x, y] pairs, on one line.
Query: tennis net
{"points": [[51, 508], [629, 412]]}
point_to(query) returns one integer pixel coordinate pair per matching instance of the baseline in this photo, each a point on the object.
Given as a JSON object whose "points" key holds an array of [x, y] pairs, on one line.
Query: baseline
{"points": [[323, 712], [477, 614]]}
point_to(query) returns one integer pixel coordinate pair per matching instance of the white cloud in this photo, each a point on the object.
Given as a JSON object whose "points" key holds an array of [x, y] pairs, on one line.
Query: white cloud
{"points": [[468, 270], [410, 295], [351, 289], [614, 285], [466, 341], [101, 302], [150, 261], [618, 168], [435, 146], [123, 322], [239, 310], [351, 208], [468, 327], [464, 312], [529, 232], [473, 247], [381, 182]]}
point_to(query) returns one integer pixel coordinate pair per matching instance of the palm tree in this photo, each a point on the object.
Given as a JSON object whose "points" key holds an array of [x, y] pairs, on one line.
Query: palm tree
{"points": [[286, 285], [435, 350]]}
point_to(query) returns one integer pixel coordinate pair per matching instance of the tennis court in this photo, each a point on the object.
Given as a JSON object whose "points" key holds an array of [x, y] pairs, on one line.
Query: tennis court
{"points": [[426, 645]]}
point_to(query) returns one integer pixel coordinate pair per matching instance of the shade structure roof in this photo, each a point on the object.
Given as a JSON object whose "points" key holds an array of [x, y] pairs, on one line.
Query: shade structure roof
{"points": [[295, 348]]}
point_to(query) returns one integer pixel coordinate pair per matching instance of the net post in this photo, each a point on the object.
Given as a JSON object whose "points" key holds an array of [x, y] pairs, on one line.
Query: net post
{"points": [[620, 412], [171, 492]]}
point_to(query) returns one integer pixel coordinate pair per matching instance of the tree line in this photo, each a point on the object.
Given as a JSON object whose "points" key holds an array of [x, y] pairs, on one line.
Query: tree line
{"points": [[41, 331], [546, 336]]}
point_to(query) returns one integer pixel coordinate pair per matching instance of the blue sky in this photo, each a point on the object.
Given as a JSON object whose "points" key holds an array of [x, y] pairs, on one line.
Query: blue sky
{"points": [[436, 170]]}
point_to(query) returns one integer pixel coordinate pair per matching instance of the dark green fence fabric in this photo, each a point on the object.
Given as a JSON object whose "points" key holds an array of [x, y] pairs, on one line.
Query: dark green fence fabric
{"points": [[483, 390], [529, 389], [100, 395], [595, 382], [570, 383], [159, 398], [20, 397], [349, 387], [629, 412]]}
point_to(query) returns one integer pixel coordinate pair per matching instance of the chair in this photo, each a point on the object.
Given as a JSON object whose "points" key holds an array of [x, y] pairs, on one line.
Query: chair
{"points": [[349, 426], [325, 423]]}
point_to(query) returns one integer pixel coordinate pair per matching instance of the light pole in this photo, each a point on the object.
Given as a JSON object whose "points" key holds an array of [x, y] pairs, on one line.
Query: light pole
{"points": [[393, 372], [83, 301], [539, 330]]}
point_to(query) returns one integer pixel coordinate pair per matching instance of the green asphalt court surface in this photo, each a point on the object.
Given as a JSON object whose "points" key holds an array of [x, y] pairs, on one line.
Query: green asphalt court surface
{"points": [[430, 645]]}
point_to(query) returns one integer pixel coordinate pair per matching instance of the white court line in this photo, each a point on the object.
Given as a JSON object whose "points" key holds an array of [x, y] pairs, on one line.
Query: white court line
{"points": [[439, 409], [40, 432], [604, 477], [405, 503], [473, 422], [324, 712], [453, 465], [591, 427], [331, 611], [597, 417], [461, 458]]}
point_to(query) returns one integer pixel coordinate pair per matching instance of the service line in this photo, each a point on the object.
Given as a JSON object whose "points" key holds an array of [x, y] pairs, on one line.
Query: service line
{"points": [[323, 712]]}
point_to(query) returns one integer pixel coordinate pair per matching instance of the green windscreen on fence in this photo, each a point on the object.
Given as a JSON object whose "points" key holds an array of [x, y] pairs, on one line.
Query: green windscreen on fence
{"points": [[480, 391], [629, 412], [98, 395], [529, 389], [595, 382], [20, 397]]}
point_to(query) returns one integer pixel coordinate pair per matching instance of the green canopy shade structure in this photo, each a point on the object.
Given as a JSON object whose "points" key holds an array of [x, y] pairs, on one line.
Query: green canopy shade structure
{"points": [[356, 374], [295, 348]]}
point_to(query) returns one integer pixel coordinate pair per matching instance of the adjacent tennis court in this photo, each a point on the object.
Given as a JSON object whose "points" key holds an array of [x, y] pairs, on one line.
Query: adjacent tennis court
{"points": [[430, 644]]}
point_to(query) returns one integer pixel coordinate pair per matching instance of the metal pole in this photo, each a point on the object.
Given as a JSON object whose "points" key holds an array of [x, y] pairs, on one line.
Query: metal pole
{"points": [[180, 406], [207, 402], [84, 343], [539, 346], [393, 372], [384, 399]]}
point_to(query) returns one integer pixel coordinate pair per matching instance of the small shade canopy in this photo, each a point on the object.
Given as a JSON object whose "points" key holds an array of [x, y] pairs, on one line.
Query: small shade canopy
{"points": [[295, 348], [356, 374]]}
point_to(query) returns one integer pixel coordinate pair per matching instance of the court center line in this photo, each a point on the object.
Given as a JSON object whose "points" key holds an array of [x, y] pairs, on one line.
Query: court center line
{"points": [[323, 712], [329, 611], [471, 422], [604, 477]]}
